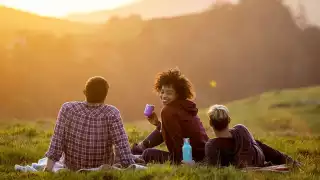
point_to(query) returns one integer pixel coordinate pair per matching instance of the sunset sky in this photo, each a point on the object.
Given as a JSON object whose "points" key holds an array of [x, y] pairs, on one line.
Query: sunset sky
{"points": [[62, 7]]}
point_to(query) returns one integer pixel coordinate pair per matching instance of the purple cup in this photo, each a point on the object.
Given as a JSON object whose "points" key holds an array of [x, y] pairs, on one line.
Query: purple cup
{"points": [[148, 110]]}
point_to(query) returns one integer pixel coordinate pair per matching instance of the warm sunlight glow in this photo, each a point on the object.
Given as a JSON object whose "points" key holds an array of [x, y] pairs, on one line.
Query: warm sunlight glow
{"points": [[63, 7]]}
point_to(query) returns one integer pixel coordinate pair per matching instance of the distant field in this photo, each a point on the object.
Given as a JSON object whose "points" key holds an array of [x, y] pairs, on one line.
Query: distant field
{"points": [[293, 130]]}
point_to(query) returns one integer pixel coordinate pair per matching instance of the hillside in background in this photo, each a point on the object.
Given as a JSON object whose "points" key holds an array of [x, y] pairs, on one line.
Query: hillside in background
{"points": [[14, 20], [286, 112], [249, 48], [148, 9]]}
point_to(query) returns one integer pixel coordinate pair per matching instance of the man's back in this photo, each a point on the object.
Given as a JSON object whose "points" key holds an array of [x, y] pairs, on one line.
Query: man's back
{"points": [[86, 132]]}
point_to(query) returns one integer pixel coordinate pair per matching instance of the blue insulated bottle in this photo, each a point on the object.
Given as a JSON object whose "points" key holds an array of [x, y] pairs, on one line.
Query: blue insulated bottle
{"points": [[187, 150]]}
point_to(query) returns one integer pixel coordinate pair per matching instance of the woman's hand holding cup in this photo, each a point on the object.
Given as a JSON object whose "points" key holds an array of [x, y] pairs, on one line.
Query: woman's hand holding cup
{"points": [[151, 115]]}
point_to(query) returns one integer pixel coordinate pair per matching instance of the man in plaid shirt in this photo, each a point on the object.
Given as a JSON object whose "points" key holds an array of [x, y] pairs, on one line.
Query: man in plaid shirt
{"points": [[85, 132]]}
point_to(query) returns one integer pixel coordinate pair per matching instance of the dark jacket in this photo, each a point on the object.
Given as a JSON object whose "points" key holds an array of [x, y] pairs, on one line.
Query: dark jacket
{"points": [[180, 120], [248, 152], [241, 150]]}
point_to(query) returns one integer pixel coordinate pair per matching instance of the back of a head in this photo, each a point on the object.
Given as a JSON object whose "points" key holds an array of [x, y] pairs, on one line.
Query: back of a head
{"points": [[219, 117], [96, 89]]}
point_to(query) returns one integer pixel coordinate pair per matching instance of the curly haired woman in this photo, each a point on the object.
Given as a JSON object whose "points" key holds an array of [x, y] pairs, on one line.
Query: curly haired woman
{"points": [[179, 120]]}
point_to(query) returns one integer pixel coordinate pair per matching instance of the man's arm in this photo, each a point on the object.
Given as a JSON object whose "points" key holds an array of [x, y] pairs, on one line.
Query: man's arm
{"points": [[56, 145], [120, 139], [170, 122]]}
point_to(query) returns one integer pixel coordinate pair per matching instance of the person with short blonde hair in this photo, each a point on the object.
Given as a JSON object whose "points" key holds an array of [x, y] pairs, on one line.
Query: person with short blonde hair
{"points": [[236, 146], [219, 117]]}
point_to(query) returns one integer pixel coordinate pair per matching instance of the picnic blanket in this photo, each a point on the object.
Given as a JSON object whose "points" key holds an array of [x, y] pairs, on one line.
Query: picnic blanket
{"points": [[39, 166], [58, 166], [283, 168]]}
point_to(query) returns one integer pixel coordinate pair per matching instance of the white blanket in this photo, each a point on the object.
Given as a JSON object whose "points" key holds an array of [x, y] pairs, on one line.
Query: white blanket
{"points": [[283, 168], [36, 167]]}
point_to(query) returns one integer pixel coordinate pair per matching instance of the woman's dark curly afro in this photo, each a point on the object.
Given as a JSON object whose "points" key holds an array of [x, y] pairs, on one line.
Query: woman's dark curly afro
{"points": [[174, 78]]}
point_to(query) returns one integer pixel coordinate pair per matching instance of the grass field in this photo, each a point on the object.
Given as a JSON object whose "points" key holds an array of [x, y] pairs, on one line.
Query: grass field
{"points": [[293, 130]]}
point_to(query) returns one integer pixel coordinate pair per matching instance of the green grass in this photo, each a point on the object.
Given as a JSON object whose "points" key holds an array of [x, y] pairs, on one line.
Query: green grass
{"points": [[294, 131], [255, 112]]}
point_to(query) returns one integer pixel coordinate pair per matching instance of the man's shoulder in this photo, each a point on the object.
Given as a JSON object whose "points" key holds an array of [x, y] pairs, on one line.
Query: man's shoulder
{"points": [[107, 108], [112, 109], [112, 112], [71, 104]]}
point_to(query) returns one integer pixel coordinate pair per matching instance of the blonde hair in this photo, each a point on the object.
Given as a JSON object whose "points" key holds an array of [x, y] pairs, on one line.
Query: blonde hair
{"points": [[219, 116], [217, 112]]}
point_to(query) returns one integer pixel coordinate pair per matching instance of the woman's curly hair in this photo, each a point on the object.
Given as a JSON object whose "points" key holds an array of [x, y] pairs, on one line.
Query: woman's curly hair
{"points": [[178, 81]]}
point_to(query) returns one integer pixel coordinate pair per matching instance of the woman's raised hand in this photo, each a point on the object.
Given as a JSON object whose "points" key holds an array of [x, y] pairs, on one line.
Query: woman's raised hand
{"points": [[153, 119]]}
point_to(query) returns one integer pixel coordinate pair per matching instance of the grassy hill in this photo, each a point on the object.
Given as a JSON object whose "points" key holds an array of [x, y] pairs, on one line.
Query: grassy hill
{"points": [[24, 143], [293, 111], [15, 20]]}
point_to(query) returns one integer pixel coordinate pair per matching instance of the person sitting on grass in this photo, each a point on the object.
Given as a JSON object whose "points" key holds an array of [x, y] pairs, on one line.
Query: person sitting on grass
{"points": [[86, 131], [178, 120], [236, 146]]}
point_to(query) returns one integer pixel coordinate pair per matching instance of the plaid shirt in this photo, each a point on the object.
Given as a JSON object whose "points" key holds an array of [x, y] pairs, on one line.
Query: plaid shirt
{"points": [[86, 133]]}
